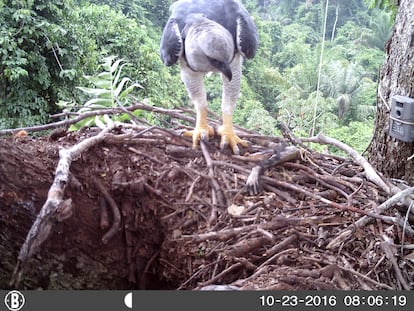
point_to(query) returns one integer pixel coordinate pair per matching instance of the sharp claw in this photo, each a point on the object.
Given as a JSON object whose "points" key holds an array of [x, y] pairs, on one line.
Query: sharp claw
{"points": [[199, 134], [204, 135], [233, 142], [244, 143], [252, 183]]}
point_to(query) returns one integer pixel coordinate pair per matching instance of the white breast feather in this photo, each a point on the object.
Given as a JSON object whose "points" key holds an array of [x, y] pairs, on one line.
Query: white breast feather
{"points": [[238, 34]]}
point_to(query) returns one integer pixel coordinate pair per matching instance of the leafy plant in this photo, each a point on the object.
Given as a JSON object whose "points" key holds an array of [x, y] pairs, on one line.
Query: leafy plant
{"points": [[389, 5], [345, 82], [29, 61], [110, 90], [356, 134]]}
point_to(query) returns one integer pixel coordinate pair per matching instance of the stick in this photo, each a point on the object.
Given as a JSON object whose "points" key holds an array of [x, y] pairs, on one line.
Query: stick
{"points": [[370, 172], [115, 211], [48, 214], [220, 275], [216, 192], [388, 250], [224, 235], [175, 113], [64, 123], [401, 196]]}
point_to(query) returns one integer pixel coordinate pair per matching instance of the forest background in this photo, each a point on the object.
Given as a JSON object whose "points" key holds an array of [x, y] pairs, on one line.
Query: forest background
{"points": [[315, 75]]}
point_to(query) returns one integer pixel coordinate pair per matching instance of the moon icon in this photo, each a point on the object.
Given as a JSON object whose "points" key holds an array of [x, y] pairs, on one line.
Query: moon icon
{"points": [[128, 300]]}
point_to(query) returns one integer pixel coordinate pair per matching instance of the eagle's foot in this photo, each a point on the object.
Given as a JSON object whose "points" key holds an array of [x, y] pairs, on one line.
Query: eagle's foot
{"points": [[200, 132], [229, 138]]}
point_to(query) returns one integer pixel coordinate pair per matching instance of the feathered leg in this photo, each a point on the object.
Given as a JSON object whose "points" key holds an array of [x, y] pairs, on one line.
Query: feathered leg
{"points": [[194, 83], [231, 91]]}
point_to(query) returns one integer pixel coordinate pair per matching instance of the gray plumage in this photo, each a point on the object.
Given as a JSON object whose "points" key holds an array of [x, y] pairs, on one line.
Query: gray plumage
{"points": [[228, 13], [210, 36], [208, 46]]}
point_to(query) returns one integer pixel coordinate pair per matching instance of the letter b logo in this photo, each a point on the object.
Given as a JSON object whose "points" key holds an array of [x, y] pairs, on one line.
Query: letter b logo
{"points": [[14, 300]]}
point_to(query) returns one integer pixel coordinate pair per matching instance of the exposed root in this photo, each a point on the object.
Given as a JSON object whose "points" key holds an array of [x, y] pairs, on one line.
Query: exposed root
{"points": [[115, 211]]}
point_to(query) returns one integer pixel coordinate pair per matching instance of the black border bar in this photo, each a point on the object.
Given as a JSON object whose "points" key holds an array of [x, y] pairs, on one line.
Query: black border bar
{"points": [[207, 300]]}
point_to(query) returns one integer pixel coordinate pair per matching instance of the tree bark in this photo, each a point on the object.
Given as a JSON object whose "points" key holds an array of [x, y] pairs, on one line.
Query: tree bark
{"points": [[389, 155]]}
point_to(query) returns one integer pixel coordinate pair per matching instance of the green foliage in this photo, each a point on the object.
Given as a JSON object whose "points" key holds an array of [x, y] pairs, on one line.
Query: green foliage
{"points": [[110, 89], [29, 67], [253, 116], [344, 82], [381, 26], [387, 5], [297, 112], [357, 135], [152, 10], [286, 80], [49, 48]]}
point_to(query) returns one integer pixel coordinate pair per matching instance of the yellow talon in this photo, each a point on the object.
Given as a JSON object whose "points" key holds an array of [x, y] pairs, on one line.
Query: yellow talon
{"points": [[229, 137], [199, 133], [202, 130]]}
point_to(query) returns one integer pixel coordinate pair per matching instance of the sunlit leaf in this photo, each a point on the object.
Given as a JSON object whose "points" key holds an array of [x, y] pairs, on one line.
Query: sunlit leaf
{"points": [[115, 65], [95, 92], [99, 123], [118, 74], [128, 90], [99, 102], [119, 88]]}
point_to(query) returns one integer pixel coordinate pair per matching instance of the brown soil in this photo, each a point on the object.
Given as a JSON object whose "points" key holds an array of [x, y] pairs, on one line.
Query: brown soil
{"points": [[176, 231]]}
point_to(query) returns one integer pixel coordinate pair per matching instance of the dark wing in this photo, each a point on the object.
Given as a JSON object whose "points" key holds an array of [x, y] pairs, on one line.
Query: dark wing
{"points": [[231, 14], [171, 46], [247, 37]]}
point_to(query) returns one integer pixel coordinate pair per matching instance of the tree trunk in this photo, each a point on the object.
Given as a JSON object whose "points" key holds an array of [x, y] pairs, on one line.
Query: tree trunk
{"points": [[389, 155]]}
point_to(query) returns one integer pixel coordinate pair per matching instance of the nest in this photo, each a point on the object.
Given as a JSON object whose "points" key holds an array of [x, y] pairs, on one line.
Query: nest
{"points": [[315, 221]]}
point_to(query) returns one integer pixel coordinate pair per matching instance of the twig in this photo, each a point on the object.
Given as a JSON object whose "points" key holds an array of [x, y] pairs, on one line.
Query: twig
{"points": [[191, 189], [224, 235], [65, 123], [145, 155], [115, 211], [401, 196], [264, 267], [386, 246], [282, 245], [194, 275], [215, 186], [406, 224], [147, 266], [104, 220], [246, 246], [370, 172], [221, 274], [362, 276], [45, 220], [350, 270]]}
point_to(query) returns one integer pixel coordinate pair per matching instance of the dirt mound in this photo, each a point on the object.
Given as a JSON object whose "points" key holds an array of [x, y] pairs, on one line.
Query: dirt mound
{"points": [[148, 212]]}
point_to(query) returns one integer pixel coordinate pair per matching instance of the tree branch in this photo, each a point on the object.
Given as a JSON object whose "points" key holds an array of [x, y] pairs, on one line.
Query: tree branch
{"points": [[370, 172], [55, 207], [176, 113]]}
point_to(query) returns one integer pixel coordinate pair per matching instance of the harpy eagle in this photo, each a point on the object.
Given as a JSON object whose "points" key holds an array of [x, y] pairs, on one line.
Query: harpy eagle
{"points": [[210, 36]]}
